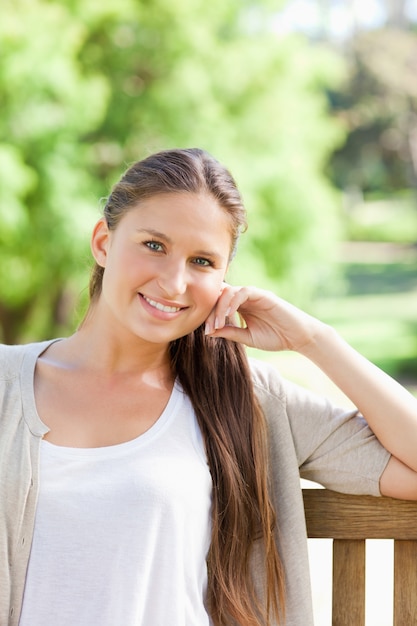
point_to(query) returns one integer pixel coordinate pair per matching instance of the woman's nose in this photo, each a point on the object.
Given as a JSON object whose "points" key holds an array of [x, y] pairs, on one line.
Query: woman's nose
{"points": [[173, 281]]}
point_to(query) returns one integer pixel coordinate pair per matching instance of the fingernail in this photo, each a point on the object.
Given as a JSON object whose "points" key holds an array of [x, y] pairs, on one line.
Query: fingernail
{"points": [[207, 328], [216, 323]]}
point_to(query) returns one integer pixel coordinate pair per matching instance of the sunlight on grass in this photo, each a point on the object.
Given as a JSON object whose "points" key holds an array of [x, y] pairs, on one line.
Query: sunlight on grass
{"points": [[383, 327]]}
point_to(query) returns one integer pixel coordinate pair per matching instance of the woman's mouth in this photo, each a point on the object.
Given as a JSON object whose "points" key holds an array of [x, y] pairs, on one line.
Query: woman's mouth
{"points": [[161, 307]]}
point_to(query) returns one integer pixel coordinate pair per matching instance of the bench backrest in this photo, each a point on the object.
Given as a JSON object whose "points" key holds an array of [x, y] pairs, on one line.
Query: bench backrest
{"points": [[349, 521]]}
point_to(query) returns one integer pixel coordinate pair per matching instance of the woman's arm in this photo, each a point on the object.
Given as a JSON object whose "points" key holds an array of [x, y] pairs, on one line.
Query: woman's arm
{"points": [[271, 323]]}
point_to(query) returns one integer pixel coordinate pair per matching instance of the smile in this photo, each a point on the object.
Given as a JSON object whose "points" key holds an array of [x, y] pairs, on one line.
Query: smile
{"points": [[162, 307]]}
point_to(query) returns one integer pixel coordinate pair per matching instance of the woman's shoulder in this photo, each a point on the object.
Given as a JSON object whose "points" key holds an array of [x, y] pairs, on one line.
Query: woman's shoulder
{"points": [[13, 355], [272, 389], [266, 379]]}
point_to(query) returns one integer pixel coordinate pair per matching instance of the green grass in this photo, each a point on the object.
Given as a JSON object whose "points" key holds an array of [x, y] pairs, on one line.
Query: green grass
{"points": [[380, 278], [382, 327], [392, 219], [378, 314]]}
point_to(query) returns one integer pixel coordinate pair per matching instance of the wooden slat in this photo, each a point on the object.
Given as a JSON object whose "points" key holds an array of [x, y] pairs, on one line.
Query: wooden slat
{"points": [[405, 583], [350, 520], [348, 583], [341, 516]]}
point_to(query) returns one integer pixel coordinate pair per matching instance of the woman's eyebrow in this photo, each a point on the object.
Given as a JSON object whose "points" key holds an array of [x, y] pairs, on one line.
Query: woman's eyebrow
{"points": [[154, 233], [158, 235], [208, 253]]}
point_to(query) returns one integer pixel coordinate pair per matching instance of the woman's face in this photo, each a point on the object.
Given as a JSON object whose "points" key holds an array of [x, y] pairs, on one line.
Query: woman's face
{"points": [[164, 265]]}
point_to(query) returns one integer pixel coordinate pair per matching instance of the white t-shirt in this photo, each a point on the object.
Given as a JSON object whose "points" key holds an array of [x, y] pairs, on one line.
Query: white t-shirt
{"points": [[122, 532]]}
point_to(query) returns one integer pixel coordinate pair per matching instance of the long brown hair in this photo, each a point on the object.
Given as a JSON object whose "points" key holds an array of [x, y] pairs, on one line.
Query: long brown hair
{"points": [[215, 374]]}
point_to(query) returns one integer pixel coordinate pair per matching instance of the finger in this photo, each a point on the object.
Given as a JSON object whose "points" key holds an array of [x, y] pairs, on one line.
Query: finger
{"points": [[221, 313], [211, 318], [234, 333], [229, 313]]}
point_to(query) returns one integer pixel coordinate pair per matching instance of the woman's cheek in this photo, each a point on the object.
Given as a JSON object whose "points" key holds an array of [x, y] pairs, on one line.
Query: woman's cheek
{"points": [[210, 292]]}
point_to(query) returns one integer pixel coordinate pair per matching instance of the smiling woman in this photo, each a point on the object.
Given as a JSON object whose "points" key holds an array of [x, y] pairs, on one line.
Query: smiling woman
{"points": [[172, 250], [154, 470]]}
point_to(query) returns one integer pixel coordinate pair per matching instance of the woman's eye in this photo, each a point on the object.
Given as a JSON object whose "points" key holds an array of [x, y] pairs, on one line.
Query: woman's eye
{"points": [[203, 262], [154, 245]]}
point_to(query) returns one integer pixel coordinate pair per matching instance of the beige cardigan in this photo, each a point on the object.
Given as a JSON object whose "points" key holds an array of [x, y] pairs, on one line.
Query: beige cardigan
{"points": [[308, 437]]}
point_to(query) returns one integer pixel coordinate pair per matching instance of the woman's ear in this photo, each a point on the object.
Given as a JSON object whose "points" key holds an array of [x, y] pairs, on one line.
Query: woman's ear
{"points": [[100, 241]]}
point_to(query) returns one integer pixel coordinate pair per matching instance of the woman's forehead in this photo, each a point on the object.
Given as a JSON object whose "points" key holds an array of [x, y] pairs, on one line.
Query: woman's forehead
{"points": [[173, 214]]}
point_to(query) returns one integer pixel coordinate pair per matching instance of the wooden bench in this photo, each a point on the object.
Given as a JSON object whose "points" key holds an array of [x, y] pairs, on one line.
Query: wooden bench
{"points": [[349, 521]]}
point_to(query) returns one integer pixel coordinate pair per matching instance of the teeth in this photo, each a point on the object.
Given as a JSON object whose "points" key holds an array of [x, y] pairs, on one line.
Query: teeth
{"points": [[161, 307]]}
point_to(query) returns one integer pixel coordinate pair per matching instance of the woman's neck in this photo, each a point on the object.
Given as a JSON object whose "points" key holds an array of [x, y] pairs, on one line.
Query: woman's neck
{"points": [[112, 357]]}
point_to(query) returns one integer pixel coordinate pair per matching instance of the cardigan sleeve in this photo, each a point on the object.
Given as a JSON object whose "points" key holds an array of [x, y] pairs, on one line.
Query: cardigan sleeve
{"points": [[334, 446]]}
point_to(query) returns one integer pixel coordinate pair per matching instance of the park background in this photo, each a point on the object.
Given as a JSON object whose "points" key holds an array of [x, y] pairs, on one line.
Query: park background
{"points": [[312, 104]]}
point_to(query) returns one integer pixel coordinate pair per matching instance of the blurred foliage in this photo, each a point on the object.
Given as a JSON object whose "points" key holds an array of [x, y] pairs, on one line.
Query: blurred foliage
{"points": [[86, 87], [378, 104], [387, 219]]}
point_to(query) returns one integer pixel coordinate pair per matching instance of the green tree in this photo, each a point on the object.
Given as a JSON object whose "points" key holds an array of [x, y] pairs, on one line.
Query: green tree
{"points": [[45, 192], [87, 87], [379, 105]]}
